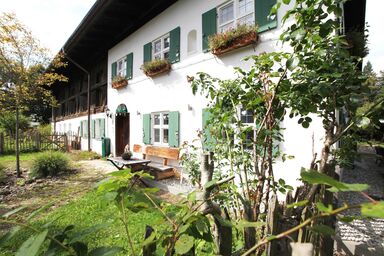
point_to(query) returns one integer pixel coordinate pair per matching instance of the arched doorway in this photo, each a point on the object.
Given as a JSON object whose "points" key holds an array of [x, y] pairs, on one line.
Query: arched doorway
{"points": [[121, 128]]}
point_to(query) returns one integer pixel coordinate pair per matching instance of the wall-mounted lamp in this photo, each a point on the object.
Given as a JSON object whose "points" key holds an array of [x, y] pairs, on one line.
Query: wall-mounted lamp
{"points": [[190, 108], [138, 113], [108, 113]]}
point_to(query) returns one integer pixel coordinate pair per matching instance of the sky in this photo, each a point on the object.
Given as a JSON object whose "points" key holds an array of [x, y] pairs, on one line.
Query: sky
{"points": [[374, 17], [53, 21]]}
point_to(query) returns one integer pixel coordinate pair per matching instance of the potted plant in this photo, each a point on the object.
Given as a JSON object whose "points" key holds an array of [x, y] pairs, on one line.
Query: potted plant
{"points": [[127, 155], [235, 38], [156, 67], [119, 82]]}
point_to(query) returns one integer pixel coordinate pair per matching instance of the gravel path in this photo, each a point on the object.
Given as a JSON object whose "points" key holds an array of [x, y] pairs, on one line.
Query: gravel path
{"points": [[364, 232]]}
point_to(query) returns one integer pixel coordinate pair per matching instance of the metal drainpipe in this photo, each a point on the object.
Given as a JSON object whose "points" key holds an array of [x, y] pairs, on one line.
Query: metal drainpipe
{"points": [[88, 95]]}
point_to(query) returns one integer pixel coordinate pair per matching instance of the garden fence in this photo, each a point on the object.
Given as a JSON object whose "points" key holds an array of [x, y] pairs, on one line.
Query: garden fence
{"points": [[33, 141]]}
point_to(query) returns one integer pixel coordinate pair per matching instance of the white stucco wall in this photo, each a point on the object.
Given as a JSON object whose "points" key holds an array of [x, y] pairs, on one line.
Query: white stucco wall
{"points": [[172, 92], [73, 125]]}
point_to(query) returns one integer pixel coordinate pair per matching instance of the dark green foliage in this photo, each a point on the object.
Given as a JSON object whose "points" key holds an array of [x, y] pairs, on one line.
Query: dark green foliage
{"points": [[50, 163], [8, 123]]}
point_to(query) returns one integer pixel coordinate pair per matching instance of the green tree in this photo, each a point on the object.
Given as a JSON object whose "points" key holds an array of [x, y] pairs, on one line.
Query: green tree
{"points": [[8, 123], [25, 70]]}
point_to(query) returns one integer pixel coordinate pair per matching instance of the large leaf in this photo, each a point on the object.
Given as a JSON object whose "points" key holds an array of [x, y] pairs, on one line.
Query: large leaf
{"points": [[322, 229], [292, 63], [7, 214], [314, 177], [247, 224], [32, 245], [9, 235], [373, 210], [184, 244], [324, 208], [298, 204], [363, 122], [78, 236], [105, 251]]}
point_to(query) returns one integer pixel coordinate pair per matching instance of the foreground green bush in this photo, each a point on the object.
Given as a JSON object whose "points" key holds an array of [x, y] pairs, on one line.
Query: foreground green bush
{"points": [[50, 163]]}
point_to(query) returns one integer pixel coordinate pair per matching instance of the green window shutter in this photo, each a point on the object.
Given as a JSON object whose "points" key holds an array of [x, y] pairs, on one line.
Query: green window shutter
{"points": [[262, 10], [129, 65], [209, 27], [147, 52], [81, 129], [114, 69], [102, 128], [147, 128], [208, 141], [174, 49], [93, 124], [173, 129], [86, 128]]}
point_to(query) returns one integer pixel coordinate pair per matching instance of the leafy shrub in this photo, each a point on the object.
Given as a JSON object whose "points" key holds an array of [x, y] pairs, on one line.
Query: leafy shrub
{"points": [[227, 38], [50, 163], [45, 129], [190, 163], [155, 66]]}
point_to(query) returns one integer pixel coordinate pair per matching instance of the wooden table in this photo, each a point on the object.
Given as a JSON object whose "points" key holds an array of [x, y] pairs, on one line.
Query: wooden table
{"points": [[120, 163]]}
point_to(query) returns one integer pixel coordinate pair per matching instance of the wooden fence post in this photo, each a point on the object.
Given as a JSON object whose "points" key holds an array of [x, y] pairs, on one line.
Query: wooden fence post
{"points": [[38, 141], [1, 143], [66, 142]]}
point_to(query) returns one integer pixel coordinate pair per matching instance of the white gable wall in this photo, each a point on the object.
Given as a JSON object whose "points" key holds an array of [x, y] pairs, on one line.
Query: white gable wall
{"points": [[172, 92]]}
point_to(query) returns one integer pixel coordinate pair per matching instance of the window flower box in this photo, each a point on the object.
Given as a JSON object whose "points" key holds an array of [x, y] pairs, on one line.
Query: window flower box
{"points": [[232, 39], [119, 82], [156, 67]]}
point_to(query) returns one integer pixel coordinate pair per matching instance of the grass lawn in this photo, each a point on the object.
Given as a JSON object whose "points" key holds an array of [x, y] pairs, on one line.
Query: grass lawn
{"points": [[26, 160], [89, 211]]}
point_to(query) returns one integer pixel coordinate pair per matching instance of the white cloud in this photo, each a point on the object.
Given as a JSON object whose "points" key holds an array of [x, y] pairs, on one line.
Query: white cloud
{"points": [[51, 21]]}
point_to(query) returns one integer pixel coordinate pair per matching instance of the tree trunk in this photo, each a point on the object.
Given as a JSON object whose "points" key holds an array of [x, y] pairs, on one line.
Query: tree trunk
{"points": [[18, 172], [223, 233]]}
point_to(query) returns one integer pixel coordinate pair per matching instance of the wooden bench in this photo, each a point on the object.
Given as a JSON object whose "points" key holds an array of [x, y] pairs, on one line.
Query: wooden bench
{"points": [[161, 170]]}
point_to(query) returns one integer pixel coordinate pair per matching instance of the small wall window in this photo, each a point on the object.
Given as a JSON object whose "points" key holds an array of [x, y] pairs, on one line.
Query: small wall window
{"points": [[160, 47], [192, 42], [160, 131], [122, 67]]}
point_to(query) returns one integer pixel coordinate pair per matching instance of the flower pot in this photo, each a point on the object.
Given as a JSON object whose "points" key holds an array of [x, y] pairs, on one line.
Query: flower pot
{"points": [[163, 67], [119, 84], [241, 41]]}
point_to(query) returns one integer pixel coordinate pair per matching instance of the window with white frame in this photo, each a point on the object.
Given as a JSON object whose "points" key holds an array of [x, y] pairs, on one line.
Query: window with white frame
{"points": [[160, 47], [160, 131], [122, 67], [235, 12]]}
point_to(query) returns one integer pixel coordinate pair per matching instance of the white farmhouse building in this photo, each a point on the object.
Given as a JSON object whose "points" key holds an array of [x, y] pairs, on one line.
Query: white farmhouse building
{"points": [[116, 37]]}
